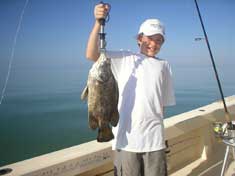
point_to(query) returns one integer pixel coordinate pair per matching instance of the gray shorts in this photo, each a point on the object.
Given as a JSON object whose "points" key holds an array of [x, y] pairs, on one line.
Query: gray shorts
{"points": [[140, 164]]}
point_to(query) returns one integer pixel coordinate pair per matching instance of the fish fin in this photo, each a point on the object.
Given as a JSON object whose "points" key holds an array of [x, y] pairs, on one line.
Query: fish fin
{"points": [[114, 118], [84, 93], [92, 121], [105, 134]]}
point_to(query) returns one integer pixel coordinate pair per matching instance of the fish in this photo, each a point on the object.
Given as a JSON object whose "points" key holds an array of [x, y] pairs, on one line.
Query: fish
{"points": [[102, 96]]}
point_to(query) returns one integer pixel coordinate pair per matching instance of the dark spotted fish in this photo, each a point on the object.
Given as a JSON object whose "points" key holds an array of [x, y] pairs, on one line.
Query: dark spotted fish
{"points": [[102, 96]]}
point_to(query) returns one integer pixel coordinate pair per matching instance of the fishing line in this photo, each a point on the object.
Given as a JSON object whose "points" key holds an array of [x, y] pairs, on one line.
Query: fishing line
{"points": [[13, 51]]}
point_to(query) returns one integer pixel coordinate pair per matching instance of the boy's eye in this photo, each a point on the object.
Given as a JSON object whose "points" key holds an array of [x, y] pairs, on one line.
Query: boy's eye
{"points": [[157, 40]]}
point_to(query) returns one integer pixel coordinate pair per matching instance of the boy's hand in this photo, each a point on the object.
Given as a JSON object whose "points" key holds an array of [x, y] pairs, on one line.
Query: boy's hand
{"points": [[101, 11]]}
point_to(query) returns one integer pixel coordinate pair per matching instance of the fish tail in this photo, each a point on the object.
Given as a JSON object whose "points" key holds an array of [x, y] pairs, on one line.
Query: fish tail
{"points": [[105, 134]]}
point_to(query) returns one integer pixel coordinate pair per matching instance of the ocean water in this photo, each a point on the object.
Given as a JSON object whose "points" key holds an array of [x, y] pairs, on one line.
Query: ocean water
{"points": [[42, 111]]}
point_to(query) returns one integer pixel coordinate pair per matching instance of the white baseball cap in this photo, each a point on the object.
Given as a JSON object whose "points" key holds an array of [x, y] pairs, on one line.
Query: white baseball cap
{"points": [[151, 27]]}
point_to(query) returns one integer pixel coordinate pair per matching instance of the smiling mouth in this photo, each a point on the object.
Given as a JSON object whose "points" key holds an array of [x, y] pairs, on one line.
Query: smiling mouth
{"points": [[152, 49]]}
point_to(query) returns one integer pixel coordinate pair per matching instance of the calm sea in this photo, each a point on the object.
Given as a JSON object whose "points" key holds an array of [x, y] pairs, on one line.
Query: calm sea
{"points": [[42, 111]]}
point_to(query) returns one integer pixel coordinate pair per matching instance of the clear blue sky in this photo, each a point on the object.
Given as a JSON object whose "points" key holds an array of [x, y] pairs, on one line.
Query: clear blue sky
{"points": [[56, 31]]}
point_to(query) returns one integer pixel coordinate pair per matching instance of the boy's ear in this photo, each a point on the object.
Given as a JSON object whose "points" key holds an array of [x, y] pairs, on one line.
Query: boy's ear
{"points": [[139, 39]]}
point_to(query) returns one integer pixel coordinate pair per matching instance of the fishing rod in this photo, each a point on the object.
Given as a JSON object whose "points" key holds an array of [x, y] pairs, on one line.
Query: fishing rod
{"points": [[230, 126]]}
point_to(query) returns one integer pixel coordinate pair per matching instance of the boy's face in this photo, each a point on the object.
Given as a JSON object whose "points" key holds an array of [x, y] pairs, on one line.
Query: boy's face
{"points": [[150, 45]]}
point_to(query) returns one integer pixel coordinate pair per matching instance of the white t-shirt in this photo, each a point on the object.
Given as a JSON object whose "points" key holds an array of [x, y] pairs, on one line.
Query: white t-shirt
{"points": [[145, 87]]}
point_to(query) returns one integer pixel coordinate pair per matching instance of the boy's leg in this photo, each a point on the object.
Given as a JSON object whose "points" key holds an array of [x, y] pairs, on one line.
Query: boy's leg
{"points": [[155, 163], [127, 163]]}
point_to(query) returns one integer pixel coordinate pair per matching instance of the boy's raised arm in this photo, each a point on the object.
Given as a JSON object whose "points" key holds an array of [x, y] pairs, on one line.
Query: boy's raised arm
{"points": [[92, 50]]}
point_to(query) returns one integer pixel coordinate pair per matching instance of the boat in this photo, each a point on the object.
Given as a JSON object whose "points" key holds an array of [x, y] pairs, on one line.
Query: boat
{"points": [[193, 149]]}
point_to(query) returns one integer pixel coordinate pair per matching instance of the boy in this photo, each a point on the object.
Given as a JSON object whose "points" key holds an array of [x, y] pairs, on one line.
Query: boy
{"points": [[145, 87]]}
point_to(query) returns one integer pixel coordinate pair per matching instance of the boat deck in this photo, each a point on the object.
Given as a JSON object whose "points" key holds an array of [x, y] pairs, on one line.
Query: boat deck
{"points": [[201, 167]]}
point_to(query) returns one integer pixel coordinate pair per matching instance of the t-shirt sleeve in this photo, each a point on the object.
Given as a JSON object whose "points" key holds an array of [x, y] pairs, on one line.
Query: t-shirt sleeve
{"points": [[116, 61], [168, 90]]}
